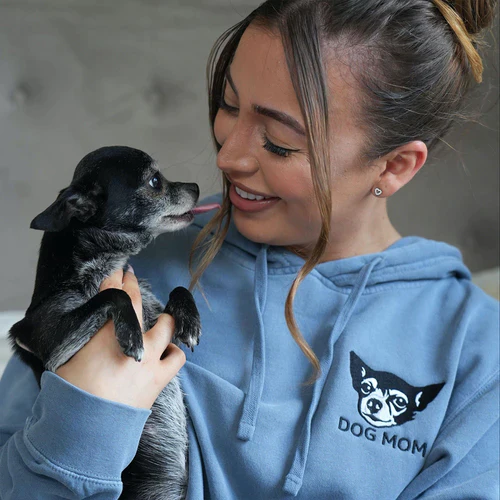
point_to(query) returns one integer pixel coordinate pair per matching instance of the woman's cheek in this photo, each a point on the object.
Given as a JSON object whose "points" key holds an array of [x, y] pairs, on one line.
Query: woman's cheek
{"points": [[220, 128], [295, 183]]}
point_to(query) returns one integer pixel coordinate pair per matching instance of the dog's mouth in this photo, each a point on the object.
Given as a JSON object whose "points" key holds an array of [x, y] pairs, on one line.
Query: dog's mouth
{"points": [[189, 215], [376, 420], [205, 208]]}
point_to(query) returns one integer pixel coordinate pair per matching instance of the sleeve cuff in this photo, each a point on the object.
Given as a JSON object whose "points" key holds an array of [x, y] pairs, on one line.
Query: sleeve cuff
{"points": [[83, 433]]}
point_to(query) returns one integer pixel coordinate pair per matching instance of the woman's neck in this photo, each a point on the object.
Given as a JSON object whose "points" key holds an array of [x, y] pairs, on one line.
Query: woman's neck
{"points": [[366, 233]]}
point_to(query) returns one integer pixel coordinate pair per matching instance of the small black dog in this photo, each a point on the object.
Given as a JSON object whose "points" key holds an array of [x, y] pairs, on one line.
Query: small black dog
{"points": [[385, 399], [116, 204]]}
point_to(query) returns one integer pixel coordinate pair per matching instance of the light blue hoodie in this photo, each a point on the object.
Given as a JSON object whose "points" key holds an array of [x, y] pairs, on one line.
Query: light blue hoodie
{"points": [[406, 403]]}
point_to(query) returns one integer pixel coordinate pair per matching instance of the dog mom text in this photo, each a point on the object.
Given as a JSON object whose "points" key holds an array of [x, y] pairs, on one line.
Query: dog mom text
{"points": [[385, 438]]}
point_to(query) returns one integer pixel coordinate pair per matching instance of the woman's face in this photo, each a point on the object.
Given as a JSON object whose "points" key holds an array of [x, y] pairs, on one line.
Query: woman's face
{"points": [[264, 149]]}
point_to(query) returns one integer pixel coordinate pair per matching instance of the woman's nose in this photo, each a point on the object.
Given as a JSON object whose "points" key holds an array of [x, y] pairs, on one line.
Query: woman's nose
{"points": [[235, 155]]}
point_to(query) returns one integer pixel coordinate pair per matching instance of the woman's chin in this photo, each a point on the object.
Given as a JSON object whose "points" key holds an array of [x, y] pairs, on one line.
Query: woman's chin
{"points": [[269, 232], [255, 230]]}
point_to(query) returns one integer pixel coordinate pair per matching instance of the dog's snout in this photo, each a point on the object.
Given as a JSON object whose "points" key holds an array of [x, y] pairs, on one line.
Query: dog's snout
{"points": [[189, 187], [374, 405], [193, 188]]}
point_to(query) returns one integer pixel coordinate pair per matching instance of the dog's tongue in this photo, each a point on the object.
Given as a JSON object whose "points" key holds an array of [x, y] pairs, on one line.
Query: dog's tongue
{"points": [[205, 208]]}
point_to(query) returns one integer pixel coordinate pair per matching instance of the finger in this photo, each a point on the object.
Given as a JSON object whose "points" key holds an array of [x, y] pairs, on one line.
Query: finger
{"points": [[131, 286], [115, 280], [157, 339], [173, 361], [104, 340]]}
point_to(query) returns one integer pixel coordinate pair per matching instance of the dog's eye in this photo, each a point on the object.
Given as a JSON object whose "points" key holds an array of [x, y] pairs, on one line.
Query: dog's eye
{"points": [[366, 388], [155, 182], [399, 403]]}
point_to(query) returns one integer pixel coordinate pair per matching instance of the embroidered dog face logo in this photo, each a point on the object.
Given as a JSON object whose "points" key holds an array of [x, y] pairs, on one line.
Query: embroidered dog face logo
{"points": [[386, 400]]}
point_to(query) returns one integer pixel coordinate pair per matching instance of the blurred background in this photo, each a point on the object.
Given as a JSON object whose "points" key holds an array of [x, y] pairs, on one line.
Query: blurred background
{"points": [[76, 75]]}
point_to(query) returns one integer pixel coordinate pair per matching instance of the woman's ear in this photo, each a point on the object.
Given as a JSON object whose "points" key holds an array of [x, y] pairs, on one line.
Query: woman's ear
{"points": [[400, 166]]}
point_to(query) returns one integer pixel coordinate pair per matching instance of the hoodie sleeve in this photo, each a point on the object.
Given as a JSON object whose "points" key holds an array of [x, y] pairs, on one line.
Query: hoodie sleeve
{"points": [[463, 462], [62, 442]]}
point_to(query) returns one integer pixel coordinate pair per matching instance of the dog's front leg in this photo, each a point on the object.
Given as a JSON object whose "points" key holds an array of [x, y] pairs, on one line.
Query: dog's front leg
{"points": [[182, 307], [78, 326]]}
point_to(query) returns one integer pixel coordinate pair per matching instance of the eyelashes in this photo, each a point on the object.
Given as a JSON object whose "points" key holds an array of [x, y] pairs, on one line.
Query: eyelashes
{"points": [[225, 106], [267, 144], [277, 150]]}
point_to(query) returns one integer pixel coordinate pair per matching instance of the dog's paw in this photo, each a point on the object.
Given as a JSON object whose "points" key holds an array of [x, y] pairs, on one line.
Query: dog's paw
{"points": [[133, 350], [187, 331], [130, 339], [182, 308]]}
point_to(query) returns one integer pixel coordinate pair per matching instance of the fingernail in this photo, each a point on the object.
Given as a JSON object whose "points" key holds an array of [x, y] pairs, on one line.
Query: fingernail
{"points": [[130, 269]]}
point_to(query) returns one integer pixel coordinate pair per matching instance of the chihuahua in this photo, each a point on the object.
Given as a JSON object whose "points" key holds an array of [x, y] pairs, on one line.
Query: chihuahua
{"points": [[386, 400], [116, 204]]}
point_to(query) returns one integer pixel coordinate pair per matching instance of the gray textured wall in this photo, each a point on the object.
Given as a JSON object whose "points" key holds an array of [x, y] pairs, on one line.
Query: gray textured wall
{"points": [[79, 74]]}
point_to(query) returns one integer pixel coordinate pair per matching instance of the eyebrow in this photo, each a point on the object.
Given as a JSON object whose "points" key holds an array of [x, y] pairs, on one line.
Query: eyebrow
{"points": [[279, 116]]}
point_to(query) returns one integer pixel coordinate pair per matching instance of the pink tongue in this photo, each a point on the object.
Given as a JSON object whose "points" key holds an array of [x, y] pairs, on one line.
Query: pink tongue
{"points": [[205, 208]]}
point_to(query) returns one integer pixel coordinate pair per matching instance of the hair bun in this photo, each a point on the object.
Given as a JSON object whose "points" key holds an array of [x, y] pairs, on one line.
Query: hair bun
{"points": [[476, 14]]}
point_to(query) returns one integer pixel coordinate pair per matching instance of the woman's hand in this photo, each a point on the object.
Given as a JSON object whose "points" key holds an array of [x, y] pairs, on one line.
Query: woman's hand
{"points": [[102, 369]]}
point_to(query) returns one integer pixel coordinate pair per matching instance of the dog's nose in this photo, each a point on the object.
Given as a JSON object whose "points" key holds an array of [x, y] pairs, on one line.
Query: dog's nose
{"points": [[193, 188], [374, 405]]}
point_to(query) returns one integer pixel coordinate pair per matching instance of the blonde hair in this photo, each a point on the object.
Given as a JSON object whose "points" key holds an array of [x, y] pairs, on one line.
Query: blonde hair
{"points": [[466, 39]]}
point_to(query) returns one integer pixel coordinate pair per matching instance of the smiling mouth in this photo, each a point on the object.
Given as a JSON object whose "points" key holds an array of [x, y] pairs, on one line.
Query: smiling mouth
{"points": [[250, 196], [250, 202]]}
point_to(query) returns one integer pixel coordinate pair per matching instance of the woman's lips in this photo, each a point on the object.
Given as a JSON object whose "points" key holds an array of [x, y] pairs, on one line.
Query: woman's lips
{"points": [[250, 205]]}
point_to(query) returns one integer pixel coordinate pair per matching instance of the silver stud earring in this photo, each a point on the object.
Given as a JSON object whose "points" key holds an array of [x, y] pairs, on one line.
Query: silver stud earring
{"points": [[377, 191]]}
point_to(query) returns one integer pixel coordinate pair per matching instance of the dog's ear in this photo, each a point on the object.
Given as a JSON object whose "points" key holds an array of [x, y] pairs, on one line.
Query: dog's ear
{"points": [[426, 395], [71, 203], [358, 370]]}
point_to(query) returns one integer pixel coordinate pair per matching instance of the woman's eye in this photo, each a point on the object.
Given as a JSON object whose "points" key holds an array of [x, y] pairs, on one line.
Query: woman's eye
{"points": [[226, 107], [277, 150], [155, 182]]}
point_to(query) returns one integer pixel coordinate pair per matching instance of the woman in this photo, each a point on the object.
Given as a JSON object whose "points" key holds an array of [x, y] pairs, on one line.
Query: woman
{"points": [[377, 376]]}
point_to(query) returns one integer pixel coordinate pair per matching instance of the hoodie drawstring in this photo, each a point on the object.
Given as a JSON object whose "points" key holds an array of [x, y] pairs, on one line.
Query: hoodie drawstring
{"points": [[251, 404], [293, 481]]}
